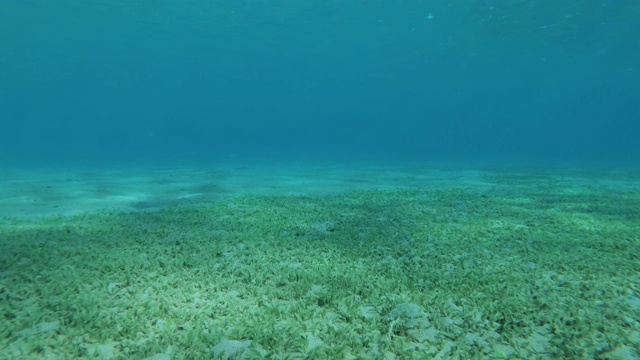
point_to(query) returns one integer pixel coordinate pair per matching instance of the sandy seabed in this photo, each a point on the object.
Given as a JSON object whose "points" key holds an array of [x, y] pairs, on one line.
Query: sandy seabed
{"points": [[319, 262]]}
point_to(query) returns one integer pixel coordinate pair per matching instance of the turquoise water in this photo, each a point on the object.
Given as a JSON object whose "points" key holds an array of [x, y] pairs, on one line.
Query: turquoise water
{"points": [[294, 179], [151, 81]]}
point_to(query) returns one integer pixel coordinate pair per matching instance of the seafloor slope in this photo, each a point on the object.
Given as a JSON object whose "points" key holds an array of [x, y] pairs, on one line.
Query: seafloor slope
{"points": [[524, 266]]}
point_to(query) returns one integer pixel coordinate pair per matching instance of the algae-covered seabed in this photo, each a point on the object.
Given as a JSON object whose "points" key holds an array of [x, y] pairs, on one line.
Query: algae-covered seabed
{"points": [[529, 267]]}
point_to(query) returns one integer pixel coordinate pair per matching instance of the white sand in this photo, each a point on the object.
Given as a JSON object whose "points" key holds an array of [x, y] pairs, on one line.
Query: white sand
{"points": [[29, 192], [32, 192]]}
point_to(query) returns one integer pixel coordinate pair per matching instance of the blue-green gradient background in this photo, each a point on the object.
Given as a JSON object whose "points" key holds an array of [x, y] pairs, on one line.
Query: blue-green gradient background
{"points": [[189, 80]]}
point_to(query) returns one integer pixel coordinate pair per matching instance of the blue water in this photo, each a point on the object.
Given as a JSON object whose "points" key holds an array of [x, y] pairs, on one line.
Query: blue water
{"points": [[471, 80]]}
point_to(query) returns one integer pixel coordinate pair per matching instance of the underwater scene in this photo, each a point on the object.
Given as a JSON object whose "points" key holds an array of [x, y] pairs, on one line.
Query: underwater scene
{"points": [[353, 179]]}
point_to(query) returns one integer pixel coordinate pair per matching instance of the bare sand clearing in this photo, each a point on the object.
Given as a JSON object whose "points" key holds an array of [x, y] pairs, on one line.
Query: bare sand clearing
{"points": [[69, 191]]}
